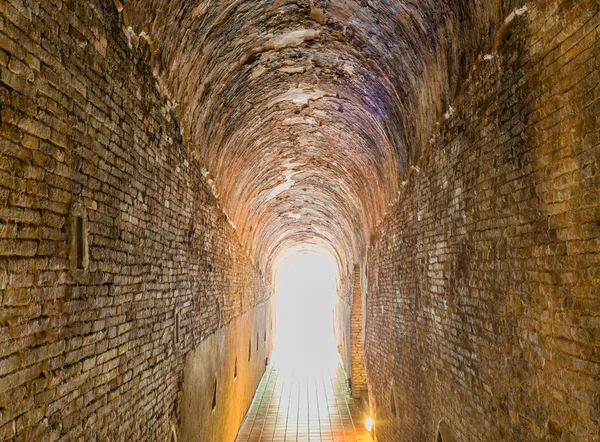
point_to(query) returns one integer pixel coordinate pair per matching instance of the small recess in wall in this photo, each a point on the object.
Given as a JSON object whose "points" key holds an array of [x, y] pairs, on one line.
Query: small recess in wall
{"points": [[219, 312], [177, 326], [445, 434], [235, 368], [257, 342], [173, 437], [249, 349], [79, 241], [214, 399]]}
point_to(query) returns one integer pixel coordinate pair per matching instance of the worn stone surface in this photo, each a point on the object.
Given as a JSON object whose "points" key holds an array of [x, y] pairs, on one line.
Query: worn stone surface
{"points": [[94, 354], [483, 300]]}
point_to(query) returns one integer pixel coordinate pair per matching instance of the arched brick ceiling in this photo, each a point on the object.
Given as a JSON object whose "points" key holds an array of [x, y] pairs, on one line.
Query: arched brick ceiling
{"points": [[308, 114]]}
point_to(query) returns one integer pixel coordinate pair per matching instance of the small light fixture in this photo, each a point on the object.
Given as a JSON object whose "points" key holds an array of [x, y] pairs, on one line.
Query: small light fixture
{"points": [[369, 424]]}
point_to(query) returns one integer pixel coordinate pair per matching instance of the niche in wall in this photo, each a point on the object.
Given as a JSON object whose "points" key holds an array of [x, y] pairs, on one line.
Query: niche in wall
{"points": [[218, 312], [173, 433], [214, 399], [78, 250], [177, 326], [393, 408], [444, 433]]}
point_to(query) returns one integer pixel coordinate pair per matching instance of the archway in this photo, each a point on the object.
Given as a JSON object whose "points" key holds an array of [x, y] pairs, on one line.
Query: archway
{"points": [[305, 288]]}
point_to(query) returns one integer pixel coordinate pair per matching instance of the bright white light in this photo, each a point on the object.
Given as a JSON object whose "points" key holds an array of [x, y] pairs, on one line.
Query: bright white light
{"points": [[369, 424], [305, 288]]}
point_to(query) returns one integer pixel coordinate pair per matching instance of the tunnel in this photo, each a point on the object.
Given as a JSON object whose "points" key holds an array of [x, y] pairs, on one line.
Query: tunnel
{"points": [[300, 220]]}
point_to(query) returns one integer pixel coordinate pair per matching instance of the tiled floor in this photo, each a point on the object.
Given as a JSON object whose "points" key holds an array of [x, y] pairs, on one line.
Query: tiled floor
{"points": [[309, 405]]}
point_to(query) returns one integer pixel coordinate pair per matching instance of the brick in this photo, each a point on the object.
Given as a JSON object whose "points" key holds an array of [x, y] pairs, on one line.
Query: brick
{"points": [[24, 215], [34, 127], [17, 248], [19, 377], [10, 364], [38, 354], [21, 69]]}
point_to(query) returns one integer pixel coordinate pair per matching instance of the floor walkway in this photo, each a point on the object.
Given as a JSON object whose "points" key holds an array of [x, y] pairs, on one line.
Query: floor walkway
{"points": [[305, 406]]}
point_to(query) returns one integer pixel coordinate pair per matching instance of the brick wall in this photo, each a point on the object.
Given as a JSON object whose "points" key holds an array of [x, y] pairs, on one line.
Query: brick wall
{"points": [[483, 299], [359, 381], [343, 320], [92, 353]]}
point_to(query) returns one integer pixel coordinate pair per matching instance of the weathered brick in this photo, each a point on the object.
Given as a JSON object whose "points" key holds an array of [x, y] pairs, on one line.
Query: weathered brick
{"points": [[17, 247], [35, 355], [10, 364], [472, 299], [19, 378]]}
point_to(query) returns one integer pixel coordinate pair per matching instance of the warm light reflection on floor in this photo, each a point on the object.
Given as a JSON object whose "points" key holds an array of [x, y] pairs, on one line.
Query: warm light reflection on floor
{"points": [[303, 395], [312, 407]]}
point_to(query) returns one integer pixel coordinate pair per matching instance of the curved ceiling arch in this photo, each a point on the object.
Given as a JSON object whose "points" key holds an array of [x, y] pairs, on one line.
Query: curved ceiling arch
{"points": [[308, 113]]}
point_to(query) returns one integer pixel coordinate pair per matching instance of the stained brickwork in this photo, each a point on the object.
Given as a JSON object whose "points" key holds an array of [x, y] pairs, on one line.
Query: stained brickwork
{"points": [[93, 353], [483, 301]]}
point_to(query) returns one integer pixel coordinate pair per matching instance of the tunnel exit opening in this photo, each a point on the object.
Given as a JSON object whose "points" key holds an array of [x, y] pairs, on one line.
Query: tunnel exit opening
{"points": [[305, 285], [304, 394]]}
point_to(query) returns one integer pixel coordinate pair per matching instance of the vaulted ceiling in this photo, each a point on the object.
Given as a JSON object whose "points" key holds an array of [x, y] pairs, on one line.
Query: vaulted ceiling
{"points": [[307, 115]]}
